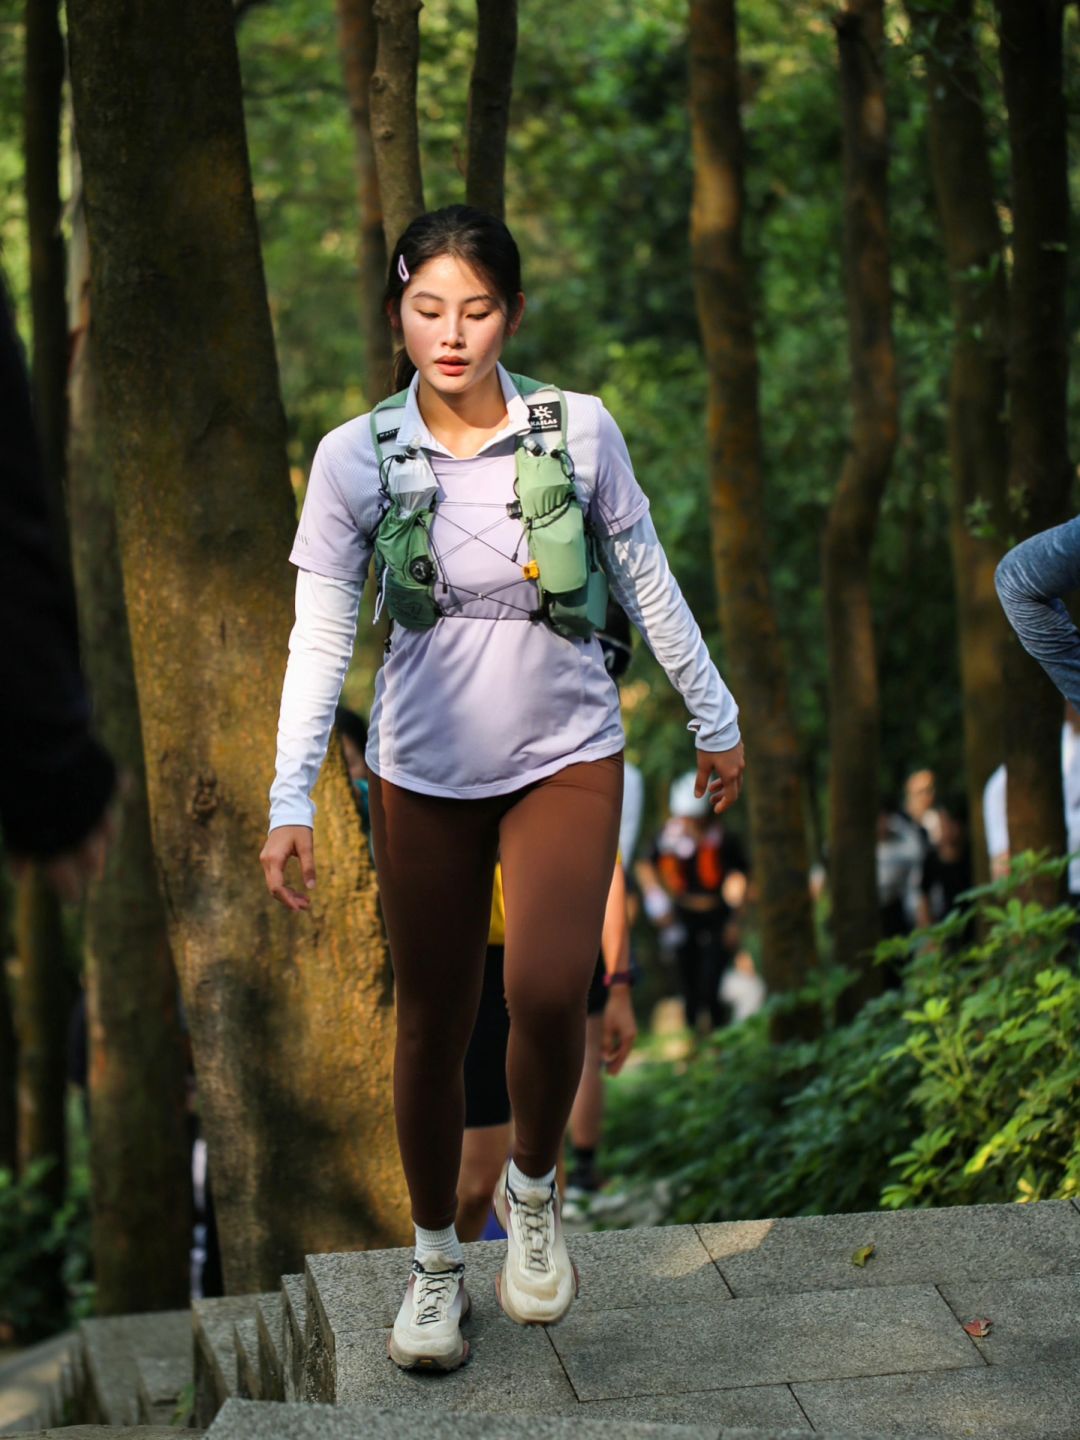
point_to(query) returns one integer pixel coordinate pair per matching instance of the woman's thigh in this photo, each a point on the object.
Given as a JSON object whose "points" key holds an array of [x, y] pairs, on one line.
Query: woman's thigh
{"points": [[435, 862], [558, 847]]}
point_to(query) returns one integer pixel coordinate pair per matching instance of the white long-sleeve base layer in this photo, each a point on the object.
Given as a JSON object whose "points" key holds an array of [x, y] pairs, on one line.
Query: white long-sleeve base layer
{"points": [[321, 645]]}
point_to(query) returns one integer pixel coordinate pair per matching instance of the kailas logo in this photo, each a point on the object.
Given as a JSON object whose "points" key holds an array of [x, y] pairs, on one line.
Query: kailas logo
{"points": [[546, 415]]}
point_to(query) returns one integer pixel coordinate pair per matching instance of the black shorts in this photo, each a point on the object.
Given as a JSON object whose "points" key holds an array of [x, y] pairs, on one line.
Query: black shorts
{"points": [[487, 1100]]}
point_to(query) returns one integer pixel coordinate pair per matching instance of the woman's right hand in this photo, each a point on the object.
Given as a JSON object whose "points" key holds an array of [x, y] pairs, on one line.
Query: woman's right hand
{"points": [[281, 845]]}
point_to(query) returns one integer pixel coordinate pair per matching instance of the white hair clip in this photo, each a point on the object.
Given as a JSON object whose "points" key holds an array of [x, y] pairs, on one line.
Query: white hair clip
{"points": [[403, 269]]}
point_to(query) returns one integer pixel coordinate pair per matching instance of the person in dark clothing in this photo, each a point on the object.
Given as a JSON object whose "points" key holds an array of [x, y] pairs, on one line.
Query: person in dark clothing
{"points": [[57, 780], [946, 871], [353, 733]]}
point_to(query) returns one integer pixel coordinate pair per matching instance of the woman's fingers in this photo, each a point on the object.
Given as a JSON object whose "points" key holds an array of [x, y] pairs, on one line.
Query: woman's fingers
{"points": [[305, 850], [620, 1032], [281, 845], [720, 774]]}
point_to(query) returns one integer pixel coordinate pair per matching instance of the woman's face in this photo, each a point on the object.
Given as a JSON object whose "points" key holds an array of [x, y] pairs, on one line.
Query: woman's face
{"points": [[453, 326]]}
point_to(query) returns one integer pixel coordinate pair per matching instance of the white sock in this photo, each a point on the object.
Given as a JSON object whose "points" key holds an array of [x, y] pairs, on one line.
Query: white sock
{"points": [[519, 1181], [445, 1242]]}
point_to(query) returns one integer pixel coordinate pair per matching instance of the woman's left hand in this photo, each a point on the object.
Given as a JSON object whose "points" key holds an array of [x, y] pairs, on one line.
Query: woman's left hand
{"points": [[727, 766], [620, 1029]]}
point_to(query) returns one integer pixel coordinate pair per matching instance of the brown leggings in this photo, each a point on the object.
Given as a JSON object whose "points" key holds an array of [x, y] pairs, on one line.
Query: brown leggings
{"points": [[557, 840]]}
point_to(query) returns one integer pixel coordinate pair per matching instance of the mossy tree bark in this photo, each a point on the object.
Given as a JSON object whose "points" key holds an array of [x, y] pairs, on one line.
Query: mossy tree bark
{"points": [[140, 1145], [852, 519], [490, 89], [356, 29], [1040, 474], [395, 130], [978, 433], [740, 549], [290, 1016]]}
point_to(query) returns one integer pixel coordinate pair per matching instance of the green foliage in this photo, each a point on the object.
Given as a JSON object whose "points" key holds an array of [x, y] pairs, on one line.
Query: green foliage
{"points": [[961, 1087], [992, 1031], [35, 1238]]}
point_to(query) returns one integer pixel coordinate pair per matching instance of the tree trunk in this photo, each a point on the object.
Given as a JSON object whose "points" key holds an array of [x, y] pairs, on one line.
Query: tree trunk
{"points": [[1040, 475], [395, 130], [740, 551], [140, 1152], [41, 114], [490, 90], [290, 1015], [356, 29], [852, 520], [978, 434]]}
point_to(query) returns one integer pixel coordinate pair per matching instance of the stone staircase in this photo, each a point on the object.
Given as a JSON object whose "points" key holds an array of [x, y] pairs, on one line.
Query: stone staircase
{"points": [[758, 1329]]}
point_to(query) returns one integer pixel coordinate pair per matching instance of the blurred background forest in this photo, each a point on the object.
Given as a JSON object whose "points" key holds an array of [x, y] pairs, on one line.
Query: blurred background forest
{"points": [[912, 1099]]}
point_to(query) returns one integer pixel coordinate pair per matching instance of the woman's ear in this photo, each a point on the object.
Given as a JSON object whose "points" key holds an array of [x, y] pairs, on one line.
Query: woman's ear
{"points": [[393, 314], [519, 312]]}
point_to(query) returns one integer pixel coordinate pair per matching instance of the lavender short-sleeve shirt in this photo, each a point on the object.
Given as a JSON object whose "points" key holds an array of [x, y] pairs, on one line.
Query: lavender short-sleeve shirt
{"points": [[486, 701]]}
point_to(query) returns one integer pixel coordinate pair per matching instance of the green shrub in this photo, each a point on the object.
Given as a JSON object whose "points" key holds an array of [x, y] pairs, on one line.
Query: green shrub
{"points": [[41, 1246], [992, 1030], [960, 1087]]}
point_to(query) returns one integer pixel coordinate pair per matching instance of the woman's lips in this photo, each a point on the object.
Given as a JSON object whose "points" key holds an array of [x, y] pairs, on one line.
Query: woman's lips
{"points": [[453, 366]]}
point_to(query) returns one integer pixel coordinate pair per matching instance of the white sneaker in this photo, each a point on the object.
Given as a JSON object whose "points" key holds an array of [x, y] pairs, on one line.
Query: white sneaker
{"points": [[538, 1282], [427, 1331]]}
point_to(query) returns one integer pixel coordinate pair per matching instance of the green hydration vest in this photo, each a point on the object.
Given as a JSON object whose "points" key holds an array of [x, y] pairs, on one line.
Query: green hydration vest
{"points": [[563, 553]]}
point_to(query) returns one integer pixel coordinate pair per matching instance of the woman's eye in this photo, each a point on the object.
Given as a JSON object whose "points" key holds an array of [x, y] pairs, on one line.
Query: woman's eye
{"points": [[484, 316], [430, 314]]}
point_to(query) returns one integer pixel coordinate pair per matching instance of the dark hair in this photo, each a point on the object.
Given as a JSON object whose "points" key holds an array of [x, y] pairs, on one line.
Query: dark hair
{"points": [[479, 239], [349, 723]]}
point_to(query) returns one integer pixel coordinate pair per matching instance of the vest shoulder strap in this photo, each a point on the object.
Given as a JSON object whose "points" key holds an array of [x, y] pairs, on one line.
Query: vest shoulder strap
{"points": [[386, 421], [547, 411]]}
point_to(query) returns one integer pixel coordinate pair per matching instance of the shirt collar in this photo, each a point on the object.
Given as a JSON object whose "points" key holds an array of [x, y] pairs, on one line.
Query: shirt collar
{"points": [[413, 431]]}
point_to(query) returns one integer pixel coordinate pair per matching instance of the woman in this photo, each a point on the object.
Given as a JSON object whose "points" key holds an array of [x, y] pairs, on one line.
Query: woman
{"points": [[495, 731]]}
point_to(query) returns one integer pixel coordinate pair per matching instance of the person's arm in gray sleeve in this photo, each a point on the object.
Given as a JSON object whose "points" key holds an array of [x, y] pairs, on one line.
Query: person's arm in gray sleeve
{"points": [[1030, 581]]}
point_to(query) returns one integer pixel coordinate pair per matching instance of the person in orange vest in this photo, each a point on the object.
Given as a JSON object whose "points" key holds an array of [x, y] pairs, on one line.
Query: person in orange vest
{"points": [[693, 884]]}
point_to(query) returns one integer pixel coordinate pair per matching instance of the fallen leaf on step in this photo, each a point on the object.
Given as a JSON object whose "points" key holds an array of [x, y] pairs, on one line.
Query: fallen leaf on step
{"points": [[978, 1328], [861, 1256]]}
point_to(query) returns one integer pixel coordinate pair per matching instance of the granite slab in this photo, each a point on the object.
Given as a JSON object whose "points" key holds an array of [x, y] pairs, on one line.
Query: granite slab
{"points": [[963, 1242], [996, 1402], [761, 1340], [1033, 1322]]}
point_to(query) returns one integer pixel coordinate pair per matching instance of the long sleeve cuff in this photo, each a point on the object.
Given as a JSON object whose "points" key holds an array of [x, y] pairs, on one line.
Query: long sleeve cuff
{"points": [[642, 582]]}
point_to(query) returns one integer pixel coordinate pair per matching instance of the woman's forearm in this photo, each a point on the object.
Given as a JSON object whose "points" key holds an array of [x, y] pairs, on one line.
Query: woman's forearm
{"points": [[320, 648], [642, 583]]}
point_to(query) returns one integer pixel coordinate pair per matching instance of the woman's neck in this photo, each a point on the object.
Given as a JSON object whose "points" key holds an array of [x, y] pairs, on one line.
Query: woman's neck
{"points": [[463, 422]]}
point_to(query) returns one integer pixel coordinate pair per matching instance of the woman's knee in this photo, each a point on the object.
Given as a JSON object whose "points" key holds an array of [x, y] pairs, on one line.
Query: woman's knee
{"points": [[433, 1041], [546, 1010]]}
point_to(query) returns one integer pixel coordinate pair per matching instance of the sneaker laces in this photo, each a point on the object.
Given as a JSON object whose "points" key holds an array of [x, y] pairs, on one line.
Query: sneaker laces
{"points": [[536, 1230], [434, 1291]]}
